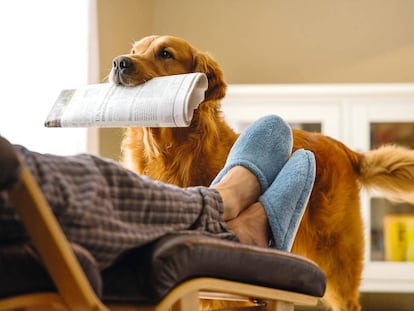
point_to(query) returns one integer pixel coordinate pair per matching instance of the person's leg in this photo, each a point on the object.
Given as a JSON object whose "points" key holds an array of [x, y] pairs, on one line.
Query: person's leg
{"points": [[108, 209]]}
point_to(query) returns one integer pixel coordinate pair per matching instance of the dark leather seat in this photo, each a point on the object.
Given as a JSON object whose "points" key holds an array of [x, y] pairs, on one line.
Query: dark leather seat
{"points": [[146, 275], [163, 265]]}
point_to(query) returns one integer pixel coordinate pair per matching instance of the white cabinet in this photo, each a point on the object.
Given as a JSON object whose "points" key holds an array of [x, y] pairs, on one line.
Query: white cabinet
{"points": [[361, 116]]}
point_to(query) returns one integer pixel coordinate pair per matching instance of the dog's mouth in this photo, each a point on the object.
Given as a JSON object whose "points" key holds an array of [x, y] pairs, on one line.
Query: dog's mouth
{"points": [[119, 78]]}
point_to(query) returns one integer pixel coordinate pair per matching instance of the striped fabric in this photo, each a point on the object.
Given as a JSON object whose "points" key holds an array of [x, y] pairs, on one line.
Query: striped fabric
{"points": [[108, 209]]}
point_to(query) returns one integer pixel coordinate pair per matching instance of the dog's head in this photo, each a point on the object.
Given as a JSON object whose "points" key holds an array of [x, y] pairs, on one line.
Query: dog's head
{"points": [[156, 56]]}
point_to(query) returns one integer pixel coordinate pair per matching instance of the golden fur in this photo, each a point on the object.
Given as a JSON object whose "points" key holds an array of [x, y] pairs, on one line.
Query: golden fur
{"points": [[331, 232]]}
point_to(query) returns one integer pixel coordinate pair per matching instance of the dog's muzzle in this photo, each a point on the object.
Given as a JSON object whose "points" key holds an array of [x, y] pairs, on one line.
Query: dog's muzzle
{"points": [[122, 67]]}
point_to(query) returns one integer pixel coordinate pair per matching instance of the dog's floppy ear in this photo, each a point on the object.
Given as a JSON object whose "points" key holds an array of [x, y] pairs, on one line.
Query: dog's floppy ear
{"points": [[204, 63]]}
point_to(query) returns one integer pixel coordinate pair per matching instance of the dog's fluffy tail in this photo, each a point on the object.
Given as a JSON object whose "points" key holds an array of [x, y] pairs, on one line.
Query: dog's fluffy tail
{"points": [[389, 170]]}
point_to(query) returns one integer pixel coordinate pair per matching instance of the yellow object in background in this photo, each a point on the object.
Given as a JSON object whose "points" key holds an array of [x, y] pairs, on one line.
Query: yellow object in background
{"points": [[399, 237], [410, 239], [394, 238]]}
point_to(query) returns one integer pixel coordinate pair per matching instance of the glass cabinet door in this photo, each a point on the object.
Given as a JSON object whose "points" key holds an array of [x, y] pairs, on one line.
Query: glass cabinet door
{"points": [[392, 224], [308, 126], [239, 126]]}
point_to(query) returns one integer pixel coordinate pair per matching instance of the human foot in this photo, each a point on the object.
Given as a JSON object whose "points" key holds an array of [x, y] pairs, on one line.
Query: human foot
{"points": [[263, 148], [286, 199], [252, 226], [239, 188]]}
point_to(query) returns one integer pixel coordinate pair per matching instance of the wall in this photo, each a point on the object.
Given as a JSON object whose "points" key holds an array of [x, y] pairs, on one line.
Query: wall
{"points": [[298, 41], [272, 41]]}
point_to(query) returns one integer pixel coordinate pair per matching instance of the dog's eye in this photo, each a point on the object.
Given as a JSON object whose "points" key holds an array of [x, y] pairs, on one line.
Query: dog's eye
{"points": [[165, 54]]}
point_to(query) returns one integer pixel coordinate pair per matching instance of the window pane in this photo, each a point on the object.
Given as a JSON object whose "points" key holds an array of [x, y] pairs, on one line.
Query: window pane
{"points": [[400, 133], [44, 50]]}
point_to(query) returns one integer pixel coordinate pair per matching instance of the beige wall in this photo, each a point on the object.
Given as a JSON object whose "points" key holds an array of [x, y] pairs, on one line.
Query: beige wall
{"points": [[279, 41], [272, 41]]}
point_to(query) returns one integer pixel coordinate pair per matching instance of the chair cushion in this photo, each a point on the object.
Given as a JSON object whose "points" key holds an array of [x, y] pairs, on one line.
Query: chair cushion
{"points": [[147, 274], [177, 258]]}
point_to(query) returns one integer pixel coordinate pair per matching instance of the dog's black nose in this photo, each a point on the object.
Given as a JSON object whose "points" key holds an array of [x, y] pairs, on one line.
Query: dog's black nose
{"points": [[123, 64]]}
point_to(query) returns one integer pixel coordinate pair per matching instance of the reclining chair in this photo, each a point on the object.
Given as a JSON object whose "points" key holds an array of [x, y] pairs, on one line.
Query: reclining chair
{"points": [[173, 273]]}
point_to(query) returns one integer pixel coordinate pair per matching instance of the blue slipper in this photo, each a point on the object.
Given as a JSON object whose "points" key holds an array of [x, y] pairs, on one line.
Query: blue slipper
{"points": [[263, 148], [286, 199]]}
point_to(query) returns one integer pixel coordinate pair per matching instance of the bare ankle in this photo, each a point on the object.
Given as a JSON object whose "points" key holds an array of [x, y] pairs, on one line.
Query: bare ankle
{"points": [[251, 226], [239, 188]]}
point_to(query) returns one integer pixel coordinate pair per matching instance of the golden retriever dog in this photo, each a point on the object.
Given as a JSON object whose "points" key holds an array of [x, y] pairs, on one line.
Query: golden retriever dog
{"points": [[331, 231]]}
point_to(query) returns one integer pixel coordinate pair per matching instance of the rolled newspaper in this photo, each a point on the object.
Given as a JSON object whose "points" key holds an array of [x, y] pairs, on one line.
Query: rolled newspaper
{"points": [[167, 101]]}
